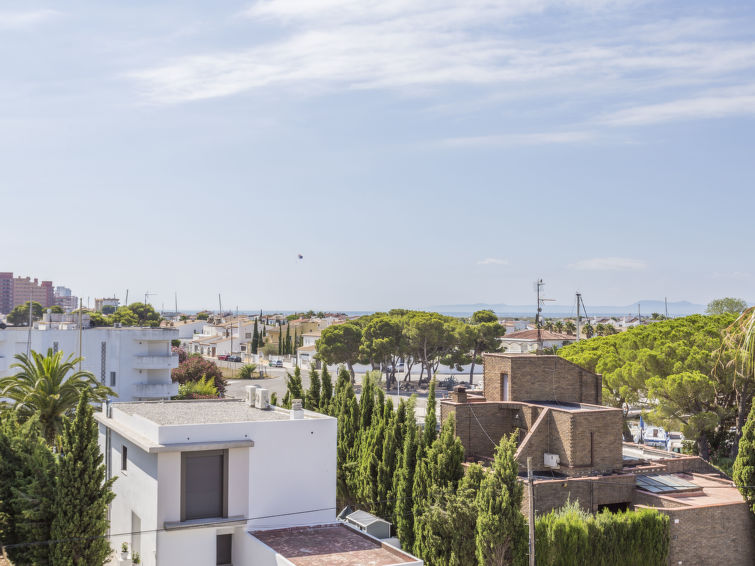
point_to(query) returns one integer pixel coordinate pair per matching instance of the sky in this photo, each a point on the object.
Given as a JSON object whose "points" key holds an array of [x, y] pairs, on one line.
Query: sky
{"points": [[415, 153]]}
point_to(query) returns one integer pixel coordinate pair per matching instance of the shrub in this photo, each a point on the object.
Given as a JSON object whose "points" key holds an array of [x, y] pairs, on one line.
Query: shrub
{"points": [[247, 371], [193, 368], [202, 389]]}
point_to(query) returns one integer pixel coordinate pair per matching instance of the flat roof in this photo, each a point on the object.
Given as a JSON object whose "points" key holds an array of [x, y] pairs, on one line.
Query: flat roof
{"points": [[202, 411], [331, 545]]}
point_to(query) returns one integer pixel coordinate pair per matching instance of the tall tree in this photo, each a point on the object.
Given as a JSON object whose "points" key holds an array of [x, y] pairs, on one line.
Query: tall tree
{"points": [[501, 531], [430, 337], [383, 344], [255, 338], [727, 305], [19, 316], [744, 465], [313, 394], [404, 482], [486, 334], [49, 388], [340, 343], [82, 495], [326, 394], [294, 388], [431, 421]]}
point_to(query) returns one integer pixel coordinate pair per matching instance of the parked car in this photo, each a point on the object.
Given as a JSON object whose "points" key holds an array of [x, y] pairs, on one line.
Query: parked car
{"points": [[222, 357], [276, 364], [234, 358]]}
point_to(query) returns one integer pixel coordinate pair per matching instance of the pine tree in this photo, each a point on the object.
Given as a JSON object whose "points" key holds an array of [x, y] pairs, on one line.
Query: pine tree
{"points": [[81, 495], [255, 338], [431, 423], [501, 531], [313, 395], [326, 391], [744, 466], [404, 484]]}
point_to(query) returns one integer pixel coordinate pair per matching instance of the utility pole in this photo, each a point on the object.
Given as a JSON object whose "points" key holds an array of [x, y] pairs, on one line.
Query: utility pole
{"points": [[28, 339], [531, 521], [126, 303], [81, 307], [175, 298], [220, 306], [639, 315], [579, 318], [665, 303]]}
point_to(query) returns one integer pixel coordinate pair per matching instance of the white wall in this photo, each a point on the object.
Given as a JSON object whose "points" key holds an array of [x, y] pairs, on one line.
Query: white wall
{"points": [[123, 346]]}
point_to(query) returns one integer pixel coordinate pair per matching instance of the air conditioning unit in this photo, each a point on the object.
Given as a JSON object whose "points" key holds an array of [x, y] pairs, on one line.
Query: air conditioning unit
{"points": [[551, 460], [250, 395], [263, 399]]}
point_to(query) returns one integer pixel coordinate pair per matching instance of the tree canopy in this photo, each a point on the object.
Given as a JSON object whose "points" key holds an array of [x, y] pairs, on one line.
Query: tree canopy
{"points": [[727, 305]]}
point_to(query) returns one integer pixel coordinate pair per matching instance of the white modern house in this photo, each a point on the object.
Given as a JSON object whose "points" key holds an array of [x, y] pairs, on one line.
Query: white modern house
{"points": [[134, 362], [229, 482]]}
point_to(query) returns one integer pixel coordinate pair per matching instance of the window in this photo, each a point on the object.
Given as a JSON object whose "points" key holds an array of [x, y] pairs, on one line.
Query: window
{"points": [[112, 379], [505, 386], [124, 457], [224, 546], [204, 484]]}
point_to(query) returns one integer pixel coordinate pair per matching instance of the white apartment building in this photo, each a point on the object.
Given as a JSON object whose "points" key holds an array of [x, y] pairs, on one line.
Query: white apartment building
{"points": [[526, 341], [134, 362], [228, 482]]}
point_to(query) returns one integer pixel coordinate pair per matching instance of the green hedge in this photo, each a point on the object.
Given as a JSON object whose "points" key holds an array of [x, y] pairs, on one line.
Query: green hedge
{"points": [[571, 537]]}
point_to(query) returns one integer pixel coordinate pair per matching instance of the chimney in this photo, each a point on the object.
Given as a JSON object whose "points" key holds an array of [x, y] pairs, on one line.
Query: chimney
{"points": [[296, 410], [459, 394]]}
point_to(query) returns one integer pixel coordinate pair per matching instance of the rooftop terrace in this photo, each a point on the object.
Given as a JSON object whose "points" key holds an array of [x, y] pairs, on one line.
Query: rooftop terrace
{"points": [[331, 545]]}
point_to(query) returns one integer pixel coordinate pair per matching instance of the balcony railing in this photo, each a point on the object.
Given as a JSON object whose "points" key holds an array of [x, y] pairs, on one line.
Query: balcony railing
{"points": [[166, 361], [155, 390]]}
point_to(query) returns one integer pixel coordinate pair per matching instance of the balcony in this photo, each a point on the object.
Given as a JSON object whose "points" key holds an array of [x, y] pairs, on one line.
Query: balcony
{"points": [[165, 361], [155, 390]]}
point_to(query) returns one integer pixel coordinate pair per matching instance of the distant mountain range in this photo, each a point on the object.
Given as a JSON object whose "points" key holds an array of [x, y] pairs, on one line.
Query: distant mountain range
{"points": [[646, 308]]}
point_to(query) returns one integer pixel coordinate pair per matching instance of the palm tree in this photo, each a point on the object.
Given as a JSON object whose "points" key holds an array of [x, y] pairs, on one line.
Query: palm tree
{"points": [[559, 326], [49, 388], [570, 327], [739, 340], [589, 330]]}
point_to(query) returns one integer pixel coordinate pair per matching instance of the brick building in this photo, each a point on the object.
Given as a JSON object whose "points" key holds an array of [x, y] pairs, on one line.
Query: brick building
{"points": [[16, 291], [554, 408]]}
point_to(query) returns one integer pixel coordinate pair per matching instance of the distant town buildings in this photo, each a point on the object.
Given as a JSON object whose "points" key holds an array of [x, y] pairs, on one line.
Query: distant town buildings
{"points": [[16, 291], [65, 298], [113, 302]]}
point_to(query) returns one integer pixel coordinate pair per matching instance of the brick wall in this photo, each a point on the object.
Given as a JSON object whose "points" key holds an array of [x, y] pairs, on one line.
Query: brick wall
{"points": [[540, 378], [711, 536], [476, 421], [590, 493]]}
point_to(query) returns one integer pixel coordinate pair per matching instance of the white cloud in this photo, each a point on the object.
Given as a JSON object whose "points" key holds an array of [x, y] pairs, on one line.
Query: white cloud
{"points": [[25, 20], [609, 264], [423, 46], [715, 105], [493, 261], [513, 140]]}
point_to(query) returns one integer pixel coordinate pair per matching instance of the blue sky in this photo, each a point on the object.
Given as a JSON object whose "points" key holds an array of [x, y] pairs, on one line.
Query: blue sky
{"points": [[416, 153]]}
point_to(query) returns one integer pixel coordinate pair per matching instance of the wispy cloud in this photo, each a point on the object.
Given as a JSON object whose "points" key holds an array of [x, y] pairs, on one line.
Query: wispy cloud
{"points": [[609, 264], [731, 102], [493, 261], [513, 140], [25, 20], [427, 45]]}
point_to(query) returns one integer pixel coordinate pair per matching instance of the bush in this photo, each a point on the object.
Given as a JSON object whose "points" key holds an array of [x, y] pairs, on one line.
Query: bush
{"points": [[202, 389], [247, 371], [195, 367], [569, 536]]}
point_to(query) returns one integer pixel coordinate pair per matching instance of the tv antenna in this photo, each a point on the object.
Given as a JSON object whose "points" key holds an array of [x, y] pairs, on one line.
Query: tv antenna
{"points": [[147, 295], [539, 284]]}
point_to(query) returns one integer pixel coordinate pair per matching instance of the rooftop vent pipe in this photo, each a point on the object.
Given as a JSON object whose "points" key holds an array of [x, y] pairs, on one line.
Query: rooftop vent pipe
{"points": [[296, 410]]}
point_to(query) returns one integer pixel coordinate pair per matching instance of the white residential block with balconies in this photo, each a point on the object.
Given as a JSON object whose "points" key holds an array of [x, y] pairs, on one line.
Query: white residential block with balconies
{"points": [[134, 362]]}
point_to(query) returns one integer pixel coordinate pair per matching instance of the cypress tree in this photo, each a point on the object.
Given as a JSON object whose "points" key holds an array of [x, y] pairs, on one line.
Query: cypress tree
{"points": [[431, 422], [10, 464], [501, 531], [296, 343], [387, 469], [280, 342], [294, 388], [404, 483], [445, 458], [744, 466], [287, 344], [326, 390], [370, 456], [420, 493], [34, 500], [81, 495], [313, 395], [367, 401], [255, 338]]}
